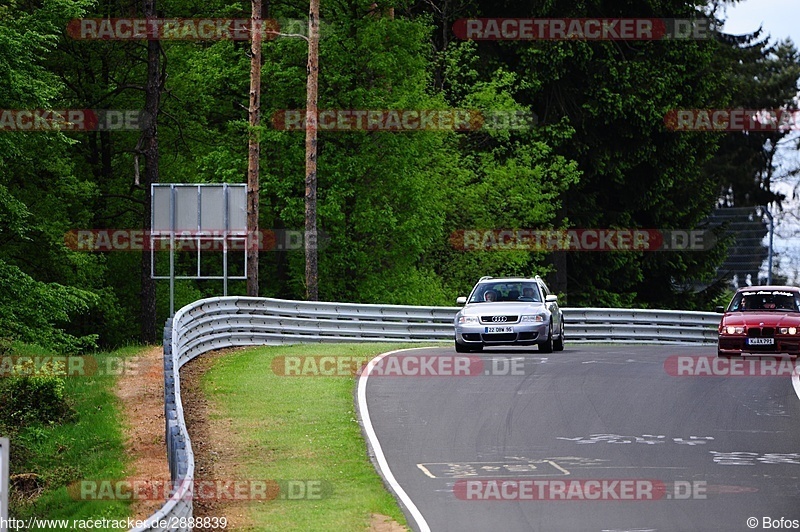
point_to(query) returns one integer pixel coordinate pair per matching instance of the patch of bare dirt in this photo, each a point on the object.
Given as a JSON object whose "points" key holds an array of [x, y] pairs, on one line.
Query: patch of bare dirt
{"points": [[142, 395], [214, 454], [384, 523]]}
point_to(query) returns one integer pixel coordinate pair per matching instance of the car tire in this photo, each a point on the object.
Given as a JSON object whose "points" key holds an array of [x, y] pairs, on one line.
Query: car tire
{"points": [[461, 348], [558, 345], [547, 347], [720, 354]]}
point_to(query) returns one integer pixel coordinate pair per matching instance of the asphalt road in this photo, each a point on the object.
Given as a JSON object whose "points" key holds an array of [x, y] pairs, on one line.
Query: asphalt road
{"points": [[594, 438]]}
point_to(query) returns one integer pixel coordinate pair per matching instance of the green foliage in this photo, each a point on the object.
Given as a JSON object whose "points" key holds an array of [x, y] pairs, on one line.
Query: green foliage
{"points": [[32, 311], [32, 393], [598, 154], [85, 443]]}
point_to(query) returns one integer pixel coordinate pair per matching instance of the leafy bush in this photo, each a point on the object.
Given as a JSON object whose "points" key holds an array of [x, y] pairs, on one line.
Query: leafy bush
{"points": [[34, 394]]}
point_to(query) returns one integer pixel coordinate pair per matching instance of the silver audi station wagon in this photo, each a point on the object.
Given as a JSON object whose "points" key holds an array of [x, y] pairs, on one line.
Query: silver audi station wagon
{"points": [[509, 311]]}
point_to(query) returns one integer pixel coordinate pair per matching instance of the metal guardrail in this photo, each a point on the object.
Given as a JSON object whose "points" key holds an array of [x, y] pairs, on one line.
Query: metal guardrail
{"points": [[221, 322]]}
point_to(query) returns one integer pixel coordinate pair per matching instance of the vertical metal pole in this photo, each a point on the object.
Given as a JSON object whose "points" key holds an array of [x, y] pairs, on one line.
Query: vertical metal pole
{"points": [[172, 250], [771, 234], [150, 236], [225, 240], [197, 235], [4, 472]]}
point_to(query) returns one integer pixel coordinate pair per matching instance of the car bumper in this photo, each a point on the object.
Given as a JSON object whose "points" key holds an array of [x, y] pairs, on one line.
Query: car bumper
{"points": [[736, 345], [523, 334]]}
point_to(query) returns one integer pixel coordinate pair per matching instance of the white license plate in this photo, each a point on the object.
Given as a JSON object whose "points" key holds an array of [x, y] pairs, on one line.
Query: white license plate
{"points": [[506, 329], [761, 341]]}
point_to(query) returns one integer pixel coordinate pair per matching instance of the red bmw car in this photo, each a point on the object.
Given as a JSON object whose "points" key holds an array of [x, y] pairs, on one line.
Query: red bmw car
{"points": [[761, 320]]}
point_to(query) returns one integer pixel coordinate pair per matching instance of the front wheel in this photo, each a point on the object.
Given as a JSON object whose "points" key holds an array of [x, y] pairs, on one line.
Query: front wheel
{"points": [[461, 348], [547, 347], [558, 345]]}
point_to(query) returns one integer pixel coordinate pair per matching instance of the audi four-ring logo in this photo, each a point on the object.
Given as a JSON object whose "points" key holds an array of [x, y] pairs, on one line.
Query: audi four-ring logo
{"points": [[499, 318]]}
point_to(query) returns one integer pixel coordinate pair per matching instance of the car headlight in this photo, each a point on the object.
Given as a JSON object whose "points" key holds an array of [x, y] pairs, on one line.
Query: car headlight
{"points": [[539, 318], [730, 329], [788, 330], [463, 320]]}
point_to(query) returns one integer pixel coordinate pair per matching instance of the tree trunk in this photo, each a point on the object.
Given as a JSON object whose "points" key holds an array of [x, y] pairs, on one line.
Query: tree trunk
{"points": [[254, 148], [312, 279], [150, 151]]}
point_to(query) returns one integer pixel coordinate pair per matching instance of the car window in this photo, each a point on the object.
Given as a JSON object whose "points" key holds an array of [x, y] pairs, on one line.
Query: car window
{"points": [[506, 291], [765, 300], [545, 290]]}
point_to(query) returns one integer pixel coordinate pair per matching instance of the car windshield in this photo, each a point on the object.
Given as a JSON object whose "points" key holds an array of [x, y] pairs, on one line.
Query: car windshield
{"points": [[505, 291], [762, 300]]}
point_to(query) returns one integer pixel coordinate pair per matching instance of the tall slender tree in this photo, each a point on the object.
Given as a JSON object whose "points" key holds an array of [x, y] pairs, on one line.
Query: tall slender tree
{"points": [[149, 147], [254, 151], [312, 277]]}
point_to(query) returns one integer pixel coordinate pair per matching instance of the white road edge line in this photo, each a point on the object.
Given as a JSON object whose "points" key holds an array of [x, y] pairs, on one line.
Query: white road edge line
{"points": [[796, 378], [376, 446]]}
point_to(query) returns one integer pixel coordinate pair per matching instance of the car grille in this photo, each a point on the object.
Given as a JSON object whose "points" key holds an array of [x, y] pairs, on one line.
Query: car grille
{"points": [[503, 337], [761, 332], [500, 319]]}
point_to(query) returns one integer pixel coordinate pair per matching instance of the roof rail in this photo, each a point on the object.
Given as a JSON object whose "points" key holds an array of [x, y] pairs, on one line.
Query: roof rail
{"points": [[485, 277]]}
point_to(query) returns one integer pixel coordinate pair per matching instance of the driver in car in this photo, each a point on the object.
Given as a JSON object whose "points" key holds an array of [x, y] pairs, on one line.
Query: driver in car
{"points": [[527, 292]]}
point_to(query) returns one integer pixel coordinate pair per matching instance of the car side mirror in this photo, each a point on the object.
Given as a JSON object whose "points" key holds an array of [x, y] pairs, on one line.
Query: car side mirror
{"points": [[462, 300], [551, 298], [720, 309]]}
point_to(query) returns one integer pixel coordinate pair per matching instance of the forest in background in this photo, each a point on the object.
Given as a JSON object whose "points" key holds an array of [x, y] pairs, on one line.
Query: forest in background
{"points": [[599, 156]]}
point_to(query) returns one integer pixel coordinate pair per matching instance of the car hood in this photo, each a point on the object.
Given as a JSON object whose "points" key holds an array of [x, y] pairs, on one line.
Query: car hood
{"points": [[774, 318], [503, 308]]}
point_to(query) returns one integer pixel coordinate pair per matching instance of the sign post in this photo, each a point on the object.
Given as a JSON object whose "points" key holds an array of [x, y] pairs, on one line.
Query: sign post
{"points": [[198, 216]]}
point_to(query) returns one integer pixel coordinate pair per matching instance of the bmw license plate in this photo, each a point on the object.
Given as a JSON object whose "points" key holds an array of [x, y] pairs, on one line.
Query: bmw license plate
{"points": [[761, 341], [506, 329]]}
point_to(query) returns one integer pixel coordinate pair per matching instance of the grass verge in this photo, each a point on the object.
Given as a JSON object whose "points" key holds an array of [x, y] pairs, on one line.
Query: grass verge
{"points": [[47, 459], [299, 428]]}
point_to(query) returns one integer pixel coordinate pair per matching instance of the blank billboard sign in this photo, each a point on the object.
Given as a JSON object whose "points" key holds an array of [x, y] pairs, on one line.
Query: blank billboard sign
{"points": [[200, 207]]}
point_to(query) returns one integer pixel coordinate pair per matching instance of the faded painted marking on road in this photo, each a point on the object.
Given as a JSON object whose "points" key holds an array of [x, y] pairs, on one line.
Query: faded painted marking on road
{"points": [[648, 439], [531, 468]]}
